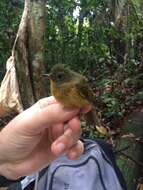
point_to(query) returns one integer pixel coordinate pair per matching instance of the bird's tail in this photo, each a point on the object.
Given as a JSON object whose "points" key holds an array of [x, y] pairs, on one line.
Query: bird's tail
{"points": [[93, 119]]}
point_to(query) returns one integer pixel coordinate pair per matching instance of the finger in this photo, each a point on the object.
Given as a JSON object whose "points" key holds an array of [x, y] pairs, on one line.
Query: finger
{"points": [[68, 139], [36, 117], [75, 151], [46, 101], [74, 125], [86, 109], [57, 130], [55, 113]]}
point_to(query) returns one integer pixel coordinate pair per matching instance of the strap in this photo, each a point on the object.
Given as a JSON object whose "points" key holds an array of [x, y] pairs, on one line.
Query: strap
{"points": [[107, 148], [4, 182]]}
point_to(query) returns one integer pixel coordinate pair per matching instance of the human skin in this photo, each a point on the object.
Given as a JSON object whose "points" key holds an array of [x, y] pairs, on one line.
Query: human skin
{"points": [[37, 136]]}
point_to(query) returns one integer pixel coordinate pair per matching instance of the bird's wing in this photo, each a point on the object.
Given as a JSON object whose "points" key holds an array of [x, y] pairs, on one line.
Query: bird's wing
{"points": [[91, 117], [85, 91]]}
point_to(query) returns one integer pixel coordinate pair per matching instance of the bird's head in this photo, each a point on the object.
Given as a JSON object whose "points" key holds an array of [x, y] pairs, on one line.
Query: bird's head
{"points": [[60, 74]]}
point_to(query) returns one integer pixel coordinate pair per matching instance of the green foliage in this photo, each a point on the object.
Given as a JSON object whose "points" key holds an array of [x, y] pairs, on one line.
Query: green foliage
{"points": [[100, 39], [9, 21]]}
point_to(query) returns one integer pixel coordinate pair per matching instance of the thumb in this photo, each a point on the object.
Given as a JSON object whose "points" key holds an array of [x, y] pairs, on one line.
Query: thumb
{"points": [[40, 116]]}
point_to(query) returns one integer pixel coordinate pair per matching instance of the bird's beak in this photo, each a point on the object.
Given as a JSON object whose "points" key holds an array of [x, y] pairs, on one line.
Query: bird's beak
{"points": [[47, 75]]}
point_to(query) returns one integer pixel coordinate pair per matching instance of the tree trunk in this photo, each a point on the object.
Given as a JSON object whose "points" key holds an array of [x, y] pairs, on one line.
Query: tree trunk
{"points": [[130, 160], [36, 31], [28, 52]]}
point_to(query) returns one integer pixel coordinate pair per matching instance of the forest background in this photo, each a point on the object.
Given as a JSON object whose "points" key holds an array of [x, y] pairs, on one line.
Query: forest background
{"points": [[102, 39]]}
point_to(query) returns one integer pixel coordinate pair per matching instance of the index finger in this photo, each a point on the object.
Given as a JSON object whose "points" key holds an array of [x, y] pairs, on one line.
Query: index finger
{"points": [[41, 115]]}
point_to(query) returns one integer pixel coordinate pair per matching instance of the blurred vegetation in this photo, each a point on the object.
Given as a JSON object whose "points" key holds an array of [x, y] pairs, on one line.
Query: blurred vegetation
{"points": [[101, 39], [10, 16]]}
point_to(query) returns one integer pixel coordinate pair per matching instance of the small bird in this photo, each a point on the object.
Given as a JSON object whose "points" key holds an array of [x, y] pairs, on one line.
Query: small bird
{"points": [[72, 90]]}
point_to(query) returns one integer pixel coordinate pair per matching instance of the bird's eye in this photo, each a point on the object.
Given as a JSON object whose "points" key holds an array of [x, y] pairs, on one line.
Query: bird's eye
{"points": [[60, 76]]}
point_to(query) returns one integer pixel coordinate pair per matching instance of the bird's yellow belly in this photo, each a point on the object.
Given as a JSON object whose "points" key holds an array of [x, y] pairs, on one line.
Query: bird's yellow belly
{"points": [[69, 96]]}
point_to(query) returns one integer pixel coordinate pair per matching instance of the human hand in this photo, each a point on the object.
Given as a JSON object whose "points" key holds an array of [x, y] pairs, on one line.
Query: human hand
{"points": [[37, 136]]}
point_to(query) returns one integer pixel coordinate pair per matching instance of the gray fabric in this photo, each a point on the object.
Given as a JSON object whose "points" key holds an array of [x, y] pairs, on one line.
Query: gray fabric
{"points": [[89, 172]]}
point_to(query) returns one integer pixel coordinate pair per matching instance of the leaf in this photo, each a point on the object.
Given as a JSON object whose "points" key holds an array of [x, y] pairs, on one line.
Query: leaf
{"points": [[102, 130]]}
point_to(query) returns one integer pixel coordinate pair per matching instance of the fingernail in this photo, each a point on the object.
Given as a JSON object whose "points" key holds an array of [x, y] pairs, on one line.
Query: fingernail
{"points": [[60, 148]]}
